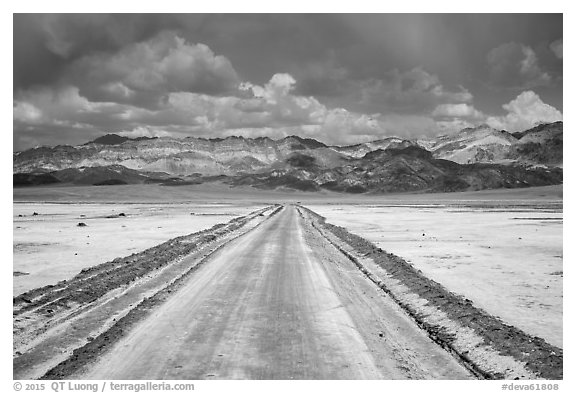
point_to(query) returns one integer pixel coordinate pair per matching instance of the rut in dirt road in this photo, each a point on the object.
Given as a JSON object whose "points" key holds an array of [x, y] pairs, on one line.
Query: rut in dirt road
{"points": [[279, 302]]}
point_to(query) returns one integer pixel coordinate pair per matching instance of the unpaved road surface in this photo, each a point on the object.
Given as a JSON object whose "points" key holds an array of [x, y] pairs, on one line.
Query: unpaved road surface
{"points": [[279, 302]]}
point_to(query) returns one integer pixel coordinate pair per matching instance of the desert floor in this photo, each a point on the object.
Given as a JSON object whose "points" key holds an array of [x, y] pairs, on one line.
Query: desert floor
{"points": [[270, 287], [506, 258]]}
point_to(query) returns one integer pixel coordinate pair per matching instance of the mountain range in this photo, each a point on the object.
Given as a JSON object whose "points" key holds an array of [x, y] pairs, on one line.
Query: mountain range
{"points": [[541, 145], [472, 159]]}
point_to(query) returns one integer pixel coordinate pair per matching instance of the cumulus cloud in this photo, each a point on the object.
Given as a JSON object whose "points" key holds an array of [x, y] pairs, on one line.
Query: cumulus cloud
{"points": [[27, 112], [451, 118], [262, 109], [145, 71], [516, 65], [556, 48], [61, 115], [283, 108], [126, 90], [340, 126], [180, 113], [524, 112], [273, 109], [457, 110], [167, 86], [58, 105]]}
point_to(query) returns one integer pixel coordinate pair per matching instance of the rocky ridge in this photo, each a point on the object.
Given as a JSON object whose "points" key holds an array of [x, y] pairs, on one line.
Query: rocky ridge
{"points": [[473, 159]]}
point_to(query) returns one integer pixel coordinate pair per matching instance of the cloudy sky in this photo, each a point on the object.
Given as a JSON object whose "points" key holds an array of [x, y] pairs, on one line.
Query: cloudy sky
{"points": [[340, 78]]}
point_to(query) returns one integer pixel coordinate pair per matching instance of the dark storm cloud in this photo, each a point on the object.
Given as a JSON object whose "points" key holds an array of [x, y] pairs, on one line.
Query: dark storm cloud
{"points": [[335, 77], [367, 45], [516, 65], [45, 44], [143, 73], [260, 44]]}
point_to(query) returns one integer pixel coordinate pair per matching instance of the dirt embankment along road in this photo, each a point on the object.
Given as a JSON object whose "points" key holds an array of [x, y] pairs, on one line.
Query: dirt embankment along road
{"points": [[274, 295]]}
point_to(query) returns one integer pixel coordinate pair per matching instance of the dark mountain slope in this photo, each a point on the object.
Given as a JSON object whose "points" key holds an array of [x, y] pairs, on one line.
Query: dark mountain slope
{"points": [[401, 170], [33, 179], [541, 145], [113, 139]]}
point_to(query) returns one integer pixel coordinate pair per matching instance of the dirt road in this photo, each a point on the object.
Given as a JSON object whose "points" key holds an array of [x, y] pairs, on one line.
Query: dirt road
{"points": [[279, 302]]}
